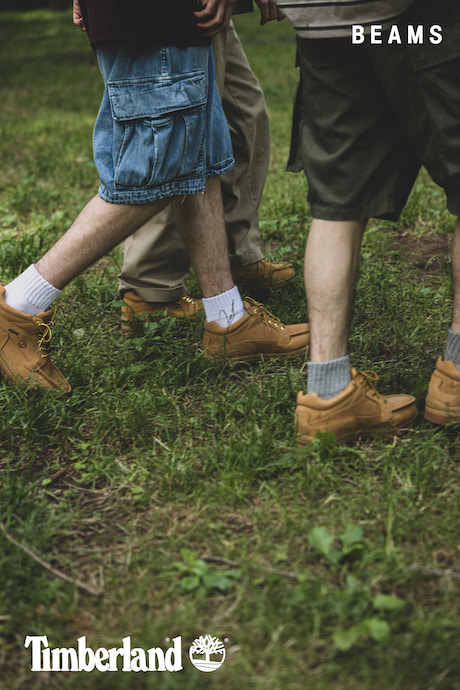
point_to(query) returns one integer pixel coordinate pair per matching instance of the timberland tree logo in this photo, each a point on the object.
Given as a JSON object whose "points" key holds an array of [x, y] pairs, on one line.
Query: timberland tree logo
{"points": [[207, 653]]}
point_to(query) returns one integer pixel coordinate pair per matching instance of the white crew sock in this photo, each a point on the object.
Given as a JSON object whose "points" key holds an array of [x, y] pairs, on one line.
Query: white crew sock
{"points": [[30, 292], [225, 309]]}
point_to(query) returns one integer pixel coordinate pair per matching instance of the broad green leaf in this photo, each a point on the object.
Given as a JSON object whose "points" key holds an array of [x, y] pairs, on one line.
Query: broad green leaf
{"points": [[199, 567], [345, 639], [217, 581], [379, 630], [190, 583], [321, 540], [334, 556], [386, 602], [351, 535]]}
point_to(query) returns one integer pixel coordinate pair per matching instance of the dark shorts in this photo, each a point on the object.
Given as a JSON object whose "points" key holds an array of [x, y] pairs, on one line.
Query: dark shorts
{"points": [[366, 117]]}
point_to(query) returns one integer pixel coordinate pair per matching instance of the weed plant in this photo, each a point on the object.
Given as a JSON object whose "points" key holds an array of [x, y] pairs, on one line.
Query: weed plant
{"points": [[171, 484]]}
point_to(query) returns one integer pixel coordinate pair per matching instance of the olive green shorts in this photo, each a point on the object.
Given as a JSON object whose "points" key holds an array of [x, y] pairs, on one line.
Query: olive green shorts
{"points": [[366, 117]]}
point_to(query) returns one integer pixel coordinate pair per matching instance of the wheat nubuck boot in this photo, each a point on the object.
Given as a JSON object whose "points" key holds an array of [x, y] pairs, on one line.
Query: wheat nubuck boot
{"points": [[257, 335], [135, 307], [263, 274], [442, 404], [25, 348], [359, 410]]}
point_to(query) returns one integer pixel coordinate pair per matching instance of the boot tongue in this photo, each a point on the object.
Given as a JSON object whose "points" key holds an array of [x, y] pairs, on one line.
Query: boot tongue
{"points": [[45, 316]]}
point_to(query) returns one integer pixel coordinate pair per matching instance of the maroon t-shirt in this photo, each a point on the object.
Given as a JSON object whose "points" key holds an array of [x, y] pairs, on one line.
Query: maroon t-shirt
{"points": [[160, 23]]}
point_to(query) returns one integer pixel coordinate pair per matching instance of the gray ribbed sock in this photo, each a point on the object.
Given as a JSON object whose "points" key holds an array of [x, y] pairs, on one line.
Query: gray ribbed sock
{"points": [[328, 379], [452, 353]]}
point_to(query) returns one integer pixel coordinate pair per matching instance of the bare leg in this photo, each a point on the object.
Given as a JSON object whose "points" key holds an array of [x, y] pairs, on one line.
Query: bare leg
{"points": [[456, 278], [331, 263], [442, 404], [339, 400], [102, 226], [200, 221], [96, 231]]}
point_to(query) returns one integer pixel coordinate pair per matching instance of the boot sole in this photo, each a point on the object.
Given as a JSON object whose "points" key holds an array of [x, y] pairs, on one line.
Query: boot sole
{"points": [[440, 418], [303, 440]]}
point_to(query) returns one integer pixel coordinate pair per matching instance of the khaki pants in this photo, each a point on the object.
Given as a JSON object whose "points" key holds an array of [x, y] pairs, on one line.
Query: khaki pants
{"points": [[155, 260]]}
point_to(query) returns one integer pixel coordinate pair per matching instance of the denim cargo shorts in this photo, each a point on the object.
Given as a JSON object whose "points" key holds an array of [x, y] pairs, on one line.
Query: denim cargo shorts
{"points": [[160, 130]]}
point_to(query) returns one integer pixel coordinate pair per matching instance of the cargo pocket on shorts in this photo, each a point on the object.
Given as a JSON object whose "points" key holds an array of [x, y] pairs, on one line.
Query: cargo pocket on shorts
{"points": [[159, 129]]}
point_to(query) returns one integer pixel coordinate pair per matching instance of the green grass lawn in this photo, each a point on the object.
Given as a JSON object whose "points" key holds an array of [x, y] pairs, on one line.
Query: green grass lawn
{"points": [[167, 487]]}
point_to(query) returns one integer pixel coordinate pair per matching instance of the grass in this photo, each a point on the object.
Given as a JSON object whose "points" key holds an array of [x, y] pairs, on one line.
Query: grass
{"points": [[172, 484]]}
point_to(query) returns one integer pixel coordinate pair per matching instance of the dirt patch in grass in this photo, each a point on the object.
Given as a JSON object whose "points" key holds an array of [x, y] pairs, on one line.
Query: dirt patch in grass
{"points": [[429, 253]]}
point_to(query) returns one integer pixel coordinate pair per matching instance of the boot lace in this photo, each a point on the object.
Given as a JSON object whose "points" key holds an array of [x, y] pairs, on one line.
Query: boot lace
{"points": [[267, 316], [266, 264], [188, 298], [45, 336], [369, 378], [262, 265]]}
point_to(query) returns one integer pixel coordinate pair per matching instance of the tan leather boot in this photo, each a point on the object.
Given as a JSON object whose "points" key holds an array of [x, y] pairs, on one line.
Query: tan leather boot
{"points": [[25, 348], [359, 410], [442, 403], [257, 335], [135, 307], [263, 274]]}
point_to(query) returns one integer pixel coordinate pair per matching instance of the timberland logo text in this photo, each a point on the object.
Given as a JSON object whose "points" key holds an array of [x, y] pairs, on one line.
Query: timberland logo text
{"points": [[207, 653]]}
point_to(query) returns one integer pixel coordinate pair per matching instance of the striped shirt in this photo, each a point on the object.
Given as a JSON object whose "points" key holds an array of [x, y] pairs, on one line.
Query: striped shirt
{"points": [[331, 18]]}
